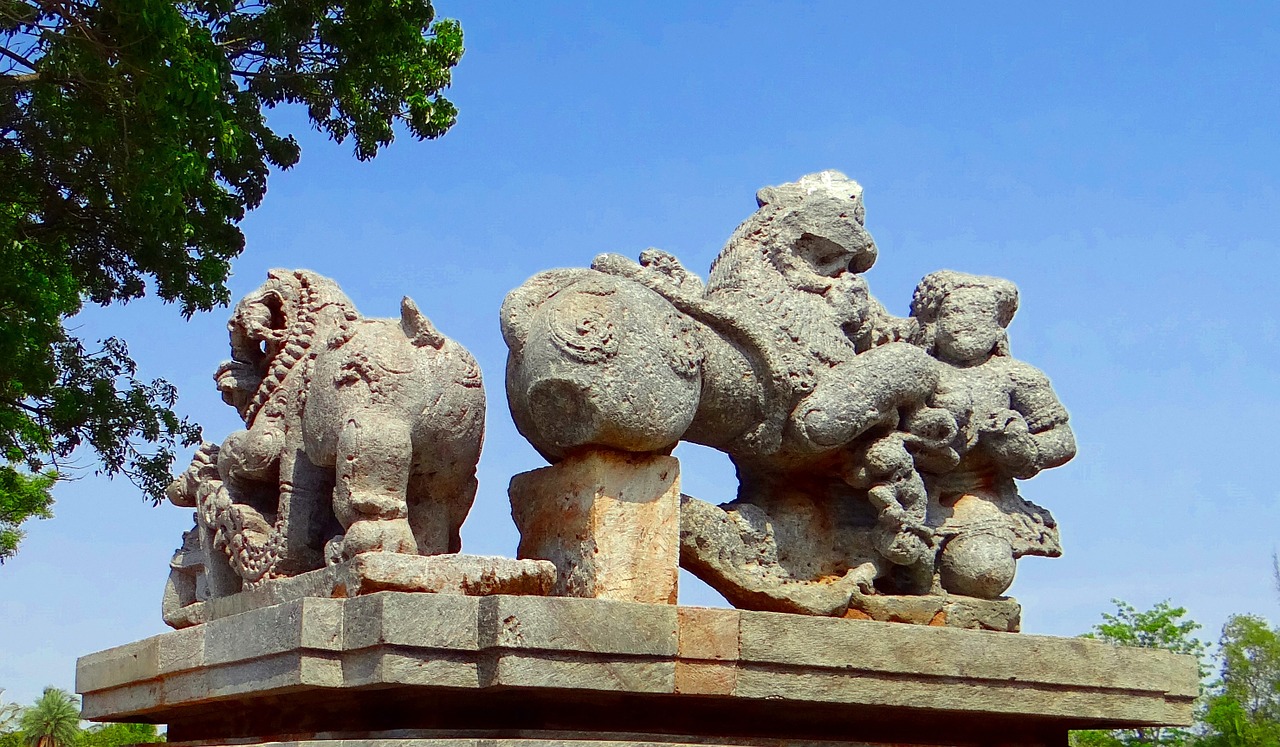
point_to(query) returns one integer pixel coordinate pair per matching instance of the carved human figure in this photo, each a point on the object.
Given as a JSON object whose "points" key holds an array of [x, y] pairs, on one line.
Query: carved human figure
{"points": [[1010, 425]]}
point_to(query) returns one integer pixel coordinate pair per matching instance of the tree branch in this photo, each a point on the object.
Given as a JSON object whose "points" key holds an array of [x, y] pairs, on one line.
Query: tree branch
{"points": [[22, 61]]}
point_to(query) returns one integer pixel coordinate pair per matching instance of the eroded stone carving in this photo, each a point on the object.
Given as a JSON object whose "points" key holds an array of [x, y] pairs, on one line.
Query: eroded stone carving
{"points": [[608, 520], [876, 454], [360, 435], [1010, 425]]}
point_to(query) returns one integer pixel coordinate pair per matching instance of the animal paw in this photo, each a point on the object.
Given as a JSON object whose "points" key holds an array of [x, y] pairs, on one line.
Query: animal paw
{"points": [[379, 535]]}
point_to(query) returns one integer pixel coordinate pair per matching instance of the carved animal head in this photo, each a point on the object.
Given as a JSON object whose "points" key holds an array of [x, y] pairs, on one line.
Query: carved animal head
{"points": [[203, 469], [266, 321], [827, 213], [963, 317], [261, 319], [807, 231]]}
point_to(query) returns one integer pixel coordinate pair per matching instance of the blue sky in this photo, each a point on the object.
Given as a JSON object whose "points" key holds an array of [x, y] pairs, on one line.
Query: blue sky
{"points": [[1120, 162]]}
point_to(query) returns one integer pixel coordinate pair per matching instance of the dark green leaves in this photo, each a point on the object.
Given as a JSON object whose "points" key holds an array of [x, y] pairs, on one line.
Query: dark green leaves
{"points": [[358, 67], [22, 497], [1244, 708], [132, 142]]}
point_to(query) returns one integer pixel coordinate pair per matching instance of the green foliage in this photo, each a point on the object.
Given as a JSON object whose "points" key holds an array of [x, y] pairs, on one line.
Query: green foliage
{"points": [[53, 721], [1244, 708], [132, 142], [21, 497], [119, 735], [1162, 627], [9, 713]]}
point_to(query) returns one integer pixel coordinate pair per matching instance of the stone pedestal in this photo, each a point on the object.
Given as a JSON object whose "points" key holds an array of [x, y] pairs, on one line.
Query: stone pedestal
{"points": [[372, 572], [430, 670], [609, 520]]}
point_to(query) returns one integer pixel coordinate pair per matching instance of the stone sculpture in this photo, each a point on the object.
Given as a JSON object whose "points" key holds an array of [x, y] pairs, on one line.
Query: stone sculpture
{"points": [[876, 454], [360, 435], [1010, 425]]}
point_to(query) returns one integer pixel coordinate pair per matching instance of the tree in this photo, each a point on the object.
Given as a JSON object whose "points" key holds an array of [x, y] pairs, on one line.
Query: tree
{"points": [[1244, 708], [9, 713], [132, 142], [53, 721], [1162, 627], [21, 498], [119, 735]]}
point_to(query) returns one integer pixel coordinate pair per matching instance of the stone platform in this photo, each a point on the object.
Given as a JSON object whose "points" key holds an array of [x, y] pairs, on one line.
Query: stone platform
{"points": [[420, 670], [369, 573]]}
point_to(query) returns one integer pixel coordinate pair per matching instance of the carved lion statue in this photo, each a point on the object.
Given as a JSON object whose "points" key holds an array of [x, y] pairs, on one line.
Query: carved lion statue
{"points": [[772, 360], [876, 455], [782, 360], [360, 434]]}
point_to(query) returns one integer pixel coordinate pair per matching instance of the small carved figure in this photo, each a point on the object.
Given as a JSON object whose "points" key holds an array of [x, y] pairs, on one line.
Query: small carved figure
{"points": [[360, 434], [1010, 425]]}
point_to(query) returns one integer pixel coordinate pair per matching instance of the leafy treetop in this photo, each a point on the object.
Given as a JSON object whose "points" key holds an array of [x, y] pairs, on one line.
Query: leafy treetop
{"points": [[53, 721], [1164, 627], [1244, 708], [132, 142]]}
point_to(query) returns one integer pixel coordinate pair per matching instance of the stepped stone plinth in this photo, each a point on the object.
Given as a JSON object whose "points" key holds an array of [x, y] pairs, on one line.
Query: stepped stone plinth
{"points": [[428, 670]]}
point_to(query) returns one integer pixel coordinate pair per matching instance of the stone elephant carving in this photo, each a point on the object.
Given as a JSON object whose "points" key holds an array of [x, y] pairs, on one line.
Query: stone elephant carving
{"points": [[360, 434]]}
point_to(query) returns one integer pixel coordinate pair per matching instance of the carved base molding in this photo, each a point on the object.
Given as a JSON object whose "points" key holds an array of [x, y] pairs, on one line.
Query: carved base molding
{"points": [[445, 669], [368, 573]]}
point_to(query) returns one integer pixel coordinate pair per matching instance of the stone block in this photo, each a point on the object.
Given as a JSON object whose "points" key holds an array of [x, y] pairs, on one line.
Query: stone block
{"points": [[610, 521], [379, 668], [132, 698], [609, 673], [180, 651], [707, 633], [322, 624], [442, 621], [472, 575], [129, 663], [706, 678], [184, 687], [320, 670], [264, 676], [941, 652], [254, 633], [374, 572], [584, 626]]}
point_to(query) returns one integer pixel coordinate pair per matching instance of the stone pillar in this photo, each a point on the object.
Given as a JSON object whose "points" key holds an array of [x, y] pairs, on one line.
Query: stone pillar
{"points": [[609, 520]]}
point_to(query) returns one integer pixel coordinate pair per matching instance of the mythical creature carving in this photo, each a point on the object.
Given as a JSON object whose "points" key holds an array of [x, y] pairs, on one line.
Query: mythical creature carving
{"points": [[360, 435], [876, 454]]}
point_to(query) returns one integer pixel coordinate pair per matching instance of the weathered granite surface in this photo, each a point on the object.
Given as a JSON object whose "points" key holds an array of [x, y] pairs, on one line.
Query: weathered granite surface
{"points": [[360, 434], [876, 454], [609, 520], [412, 665], [372, 572]]}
